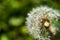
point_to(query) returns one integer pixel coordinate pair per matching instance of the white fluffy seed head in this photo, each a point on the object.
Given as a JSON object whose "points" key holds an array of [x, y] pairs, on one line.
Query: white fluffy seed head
{"points": [[34, 19]]}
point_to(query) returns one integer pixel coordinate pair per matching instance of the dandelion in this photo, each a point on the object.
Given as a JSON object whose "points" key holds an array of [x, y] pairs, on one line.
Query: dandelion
{"points": [[40, 22]]}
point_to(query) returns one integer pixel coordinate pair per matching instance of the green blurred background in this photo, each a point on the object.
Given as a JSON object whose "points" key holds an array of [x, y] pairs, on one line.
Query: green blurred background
{"points": [[13, 14]]}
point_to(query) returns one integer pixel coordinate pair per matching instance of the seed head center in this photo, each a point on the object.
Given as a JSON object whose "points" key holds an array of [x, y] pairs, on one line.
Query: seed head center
{"points": [[46, 24]]}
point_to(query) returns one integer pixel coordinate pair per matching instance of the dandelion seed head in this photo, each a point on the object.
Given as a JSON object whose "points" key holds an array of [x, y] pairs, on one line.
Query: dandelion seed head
{"points": [[34, 21]]}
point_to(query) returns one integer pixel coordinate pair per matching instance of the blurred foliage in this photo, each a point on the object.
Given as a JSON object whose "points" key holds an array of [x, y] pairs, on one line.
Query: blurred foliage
{"points": [[13, 14]]}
